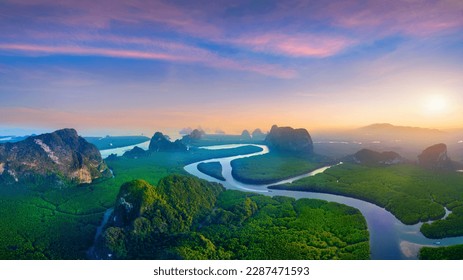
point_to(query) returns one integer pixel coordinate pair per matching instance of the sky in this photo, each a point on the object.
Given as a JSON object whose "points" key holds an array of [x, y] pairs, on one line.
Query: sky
{"points": [[131, 66]]}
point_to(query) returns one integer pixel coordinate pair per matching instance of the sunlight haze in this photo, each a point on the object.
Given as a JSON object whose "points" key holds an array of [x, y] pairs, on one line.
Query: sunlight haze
{"points": [[142, 66]]}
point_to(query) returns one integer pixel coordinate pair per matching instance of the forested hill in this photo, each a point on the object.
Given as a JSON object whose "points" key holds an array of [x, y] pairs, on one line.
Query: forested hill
{"points": [[188, 218]]}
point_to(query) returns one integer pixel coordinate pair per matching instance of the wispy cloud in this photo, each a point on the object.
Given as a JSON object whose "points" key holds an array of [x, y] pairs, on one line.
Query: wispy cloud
{"points": [[86, 22], [183, 32], [103, 14], [77, 50], [299, 45], [188, 55], [204, 20], [408, 17]]}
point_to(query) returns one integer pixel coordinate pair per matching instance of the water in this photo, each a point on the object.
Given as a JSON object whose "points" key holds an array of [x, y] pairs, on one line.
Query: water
{"points": [[220, 147], [389, 238], [120, 151], [91, 252]]}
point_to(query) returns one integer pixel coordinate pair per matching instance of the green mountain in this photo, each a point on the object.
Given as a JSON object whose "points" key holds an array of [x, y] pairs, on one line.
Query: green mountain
{"points": [[187, 218], [161, 143]]}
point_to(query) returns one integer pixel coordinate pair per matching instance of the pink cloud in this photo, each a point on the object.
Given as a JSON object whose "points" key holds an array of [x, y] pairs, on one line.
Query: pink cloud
{"points": [[411, 17], [188, 55], [377, 17], [101, 14], [300, 45], [97, 39], [83, 28], [75, 50], [364, 19]]}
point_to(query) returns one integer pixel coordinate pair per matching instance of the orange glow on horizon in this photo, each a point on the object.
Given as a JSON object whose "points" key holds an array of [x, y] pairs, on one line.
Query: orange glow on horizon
{"points": [[145, 121]]}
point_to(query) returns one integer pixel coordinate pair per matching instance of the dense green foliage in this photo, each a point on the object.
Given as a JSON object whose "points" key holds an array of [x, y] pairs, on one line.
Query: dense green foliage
{"points": [[46, 226], [173, 206], [249, 226], [61, 223], [409, 192], [272, 167], [111, 142], [442, 253], [194, 219], [213, 169], [134, 198], [451, 226]]}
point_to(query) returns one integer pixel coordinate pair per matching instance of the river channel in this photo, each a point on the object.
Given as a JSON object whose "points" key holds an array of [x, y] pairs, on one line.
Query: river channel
{"points": [[389, 238]]}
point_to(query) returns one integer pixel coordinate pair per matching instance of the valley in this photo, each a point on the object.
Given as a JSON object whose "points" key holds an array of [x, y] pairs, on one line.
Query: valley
{"points": [[411, 193]]}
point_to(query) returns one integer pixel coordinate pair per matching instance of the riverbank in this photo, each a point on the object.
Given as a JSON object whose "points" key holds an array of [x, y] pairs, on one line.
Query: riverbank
{"points": [[386, 231]]}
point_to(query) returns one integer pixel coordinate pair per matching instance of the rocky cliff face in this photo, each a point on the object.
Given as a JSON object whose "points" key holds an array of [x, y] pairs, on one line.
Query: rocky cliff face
{"points": [[287, 139], [435, 157], [370, 157], [57, 159], [160, 143], [133, 199]]}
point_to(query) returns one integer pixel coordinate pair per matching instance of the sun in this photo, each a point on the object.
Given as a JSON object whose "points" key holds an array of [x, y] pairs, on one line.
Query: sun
{"points": [[435, 104]]}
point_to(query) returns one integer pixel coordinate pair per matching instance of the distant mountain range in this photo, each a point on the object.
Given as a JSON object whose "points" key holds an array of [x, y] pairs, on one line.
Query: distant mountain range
{"points": [[406, 140], [387, 128], [13, 139]]}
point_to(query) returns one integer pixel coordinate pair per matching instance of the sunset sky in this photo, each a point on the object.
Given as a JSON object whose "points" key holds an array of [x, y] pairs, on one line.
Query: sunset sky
{"points": [[130, 66]]}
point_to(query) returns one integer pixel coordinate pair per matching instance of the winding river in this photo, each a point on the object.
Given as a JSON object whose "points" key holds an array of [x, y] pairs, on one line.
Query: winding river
{"points": [[389, 238], [91, 253]]}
